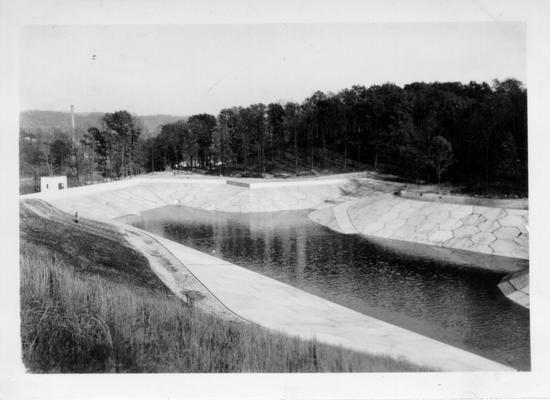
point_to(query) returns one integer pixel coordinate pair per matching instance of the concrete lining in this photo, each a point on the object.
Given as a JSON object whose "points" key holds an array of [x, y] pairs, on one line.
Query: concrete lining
{"points": [[132, 196], [283, 308], [516, 287], [255, 297], [520, 203], [479, 229], [342, 218]]}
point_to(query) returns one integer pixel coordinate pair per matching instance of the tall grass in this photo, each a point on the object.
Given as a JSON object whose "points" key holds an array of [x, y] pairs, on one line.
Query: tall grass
{"points": [[79, 323]]}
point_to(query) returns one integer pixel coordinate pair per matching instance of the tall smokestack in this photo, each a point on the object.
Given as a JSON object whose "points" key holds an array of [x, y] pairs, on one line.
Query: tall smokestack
{"points": [[72, 123]]}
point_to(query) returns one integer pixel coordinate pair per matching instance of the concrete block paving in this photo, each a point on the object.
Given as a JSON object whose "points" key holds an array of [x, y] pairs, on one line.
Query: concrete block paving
{"points": [[507, 232], [417, 220], [395, 223], [451, 224], [440, 236], [483, 238], [439, 217], [462, 211], [512, 220], [488, 230]]}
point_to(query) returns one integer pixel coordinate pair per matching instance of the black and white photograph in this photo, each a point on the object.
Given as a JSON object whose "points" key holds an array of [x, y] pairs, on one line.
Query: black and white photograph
{"points": [[262, 199]]}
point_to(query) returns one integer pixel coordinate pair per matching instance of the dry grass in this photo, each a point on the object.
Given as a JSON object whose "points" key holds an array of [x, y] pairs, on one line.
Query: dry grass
{"points": [[75, 322]]}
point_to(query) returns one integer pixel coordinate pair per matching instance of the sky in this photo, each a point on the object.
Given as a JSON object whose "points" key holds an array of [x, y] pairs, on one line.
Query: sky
{"points": [[189, 69]]}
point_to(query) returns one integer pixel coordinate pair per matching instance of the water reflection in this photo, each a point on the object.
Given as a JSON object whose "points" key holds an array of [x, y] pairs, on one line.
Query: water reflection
{"points": [[457, 305]]}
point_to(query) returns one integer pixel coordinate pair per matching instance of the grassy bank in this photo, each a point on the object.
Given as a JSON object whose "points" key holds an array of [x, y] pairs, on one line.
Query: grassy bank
{"points": [[74, 322], [89, 303], [91, 249]]}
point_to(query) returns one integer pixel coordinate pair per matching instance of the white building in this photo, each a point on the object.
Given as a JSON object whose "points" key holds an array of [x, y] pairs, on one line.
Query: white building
{"points": [[53, 183]]}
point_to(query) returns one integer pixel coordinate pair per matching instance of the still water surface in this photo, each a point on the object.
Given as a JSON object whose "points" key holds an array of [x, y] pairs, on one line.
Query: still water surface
{"points": [[456, 305]]}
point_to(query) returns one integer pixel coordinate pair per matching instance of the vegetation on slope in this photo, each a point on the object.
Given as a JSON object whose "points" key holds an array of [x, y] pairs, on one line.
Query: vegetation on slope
{"points": [[72, 322], [102, 253], [91, 304]]}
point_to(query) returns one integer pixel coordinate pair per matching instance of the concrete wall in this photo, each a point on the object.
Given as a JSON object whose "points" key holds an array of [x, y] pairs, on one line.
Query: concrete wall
{"points": [[487, 230], [121, 198]]}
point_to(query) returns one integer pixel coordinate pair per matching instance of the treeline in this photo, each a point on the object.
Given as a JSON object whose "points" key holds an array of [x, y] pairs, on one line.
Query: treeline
{"points": [[46, 145], [469, 134], [474, 135], [110, 150]]}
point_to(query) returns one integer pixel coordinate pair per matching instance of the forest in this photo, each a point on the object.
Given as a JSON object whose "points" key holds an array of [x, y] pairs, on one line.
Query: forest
{"points": [[471, 135]]}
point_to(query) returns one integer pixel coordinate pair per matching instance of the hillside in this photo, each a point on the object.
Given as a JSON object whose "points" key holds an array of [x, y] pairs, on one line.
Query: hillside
{"points": [[47, 122], [90, 303]]}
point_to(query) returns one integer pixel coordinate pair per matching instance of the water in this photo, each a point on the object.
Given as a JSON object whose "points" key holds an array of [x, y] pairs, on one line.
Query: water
{"points": [[456, 305]]}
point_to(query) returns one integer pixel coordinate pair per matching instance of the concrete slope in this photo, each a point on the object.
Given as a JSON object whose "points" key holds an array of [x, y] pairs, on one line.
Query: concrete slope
{"points": [[516, 287], [135, 196], [283, 308], [487, 230], [175, 275]]}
